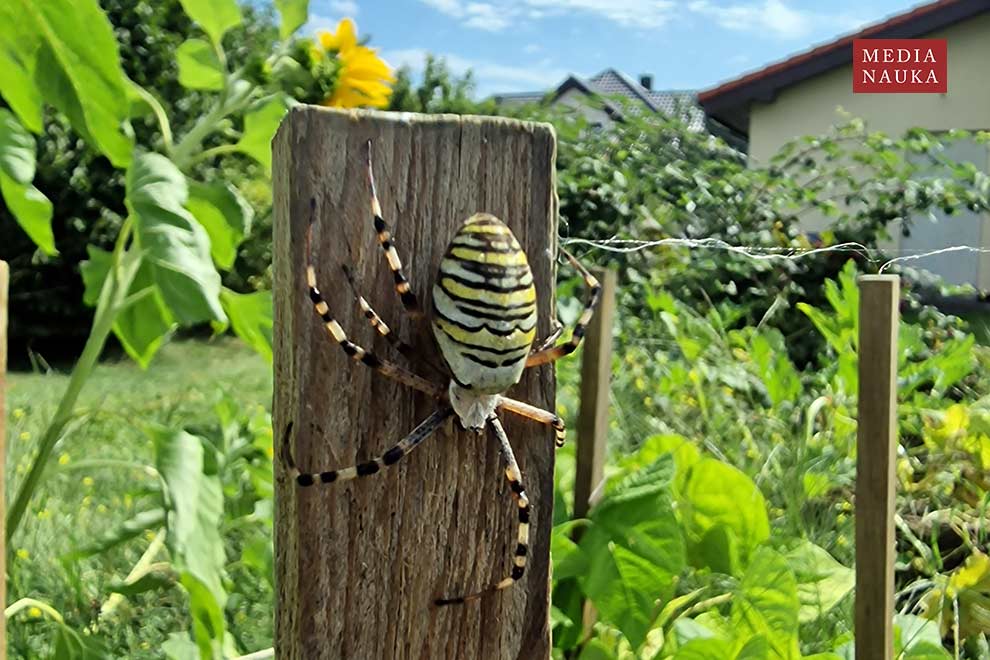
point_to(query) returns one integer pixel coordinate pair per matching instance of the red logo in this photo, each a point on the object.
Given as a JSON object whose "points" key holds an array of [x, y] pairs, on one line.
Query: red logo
{"points": [[889, 66]]}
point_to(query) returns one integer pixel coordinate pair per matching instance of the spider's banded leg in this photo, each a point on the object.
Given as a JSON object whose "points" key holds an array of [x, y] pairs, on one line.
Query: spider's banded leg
{"points": [[537, 415], [390, 457], [391, 255], [514, 476], [594, 293], [357, 353], [374, 319], [551, 339]]}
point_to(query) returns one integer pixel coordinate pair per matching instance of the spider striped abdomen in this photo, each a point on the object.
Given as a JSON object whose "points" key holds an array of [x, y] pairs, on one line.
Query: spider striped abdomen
{"points": [[484, 306]]}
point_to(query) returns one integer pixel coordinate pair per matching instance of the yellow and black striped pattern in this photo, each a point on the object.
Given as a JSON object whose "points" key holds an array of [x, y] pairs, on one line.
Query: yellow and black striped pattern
{"points": [[484, 306]]}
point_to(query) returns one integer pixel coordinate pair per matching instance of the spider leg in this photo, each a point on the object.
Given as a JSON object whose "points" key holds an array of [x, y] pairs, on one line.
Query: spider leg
{"points": [[376, 321], [560, 350], [390, 457], [378, 324], [391, 255], [537, 415], [514, 476], [558, 330], [357, 353]]}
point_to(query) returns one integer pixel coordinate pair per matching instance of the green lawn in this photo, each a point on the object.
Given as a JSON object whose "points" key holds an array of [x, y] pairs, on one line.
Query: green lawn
{"points": [[96, 481]]}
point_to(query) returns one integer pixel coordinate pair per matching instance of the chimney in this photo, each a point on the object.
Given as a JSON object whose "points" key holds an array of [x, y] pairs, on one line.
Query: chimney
{"points": [[646, 80]]}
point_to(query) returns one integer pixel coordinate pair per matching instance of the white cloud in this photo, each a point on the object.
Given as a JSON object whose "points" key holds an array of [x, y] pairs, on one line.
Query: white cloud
{"points": [[490, 77], [775, 17], [496, 15], [344, 7]]}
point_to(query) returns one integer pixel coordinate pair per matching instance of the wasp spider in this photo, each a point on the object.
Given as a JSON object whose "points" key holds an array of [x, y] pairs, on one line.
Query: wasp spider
{"points": [[484, 321]]}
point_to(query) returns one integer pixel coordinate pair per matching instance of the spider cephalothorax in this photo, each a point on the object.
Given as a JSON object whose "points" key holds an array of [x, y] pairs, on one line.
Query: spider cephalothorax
{"points": [[484, 321]]}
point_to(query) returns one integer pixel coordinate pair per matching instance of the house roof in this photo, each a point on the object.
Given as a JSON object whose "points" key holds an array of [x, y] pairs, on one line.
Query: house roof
{"points": [[729, 102]]}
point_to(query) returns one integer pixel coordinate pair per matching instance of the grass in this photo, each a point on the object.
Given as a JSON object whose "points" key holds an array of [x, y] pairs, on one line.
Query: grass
{"points": [[96, 482]]}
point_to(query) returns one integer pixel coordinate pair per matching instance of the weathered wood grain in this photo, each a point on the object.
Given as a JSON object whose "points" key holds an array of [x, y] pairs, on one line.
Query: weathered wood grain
{"points": [[876, 444], [358, 565], [596, 376]]}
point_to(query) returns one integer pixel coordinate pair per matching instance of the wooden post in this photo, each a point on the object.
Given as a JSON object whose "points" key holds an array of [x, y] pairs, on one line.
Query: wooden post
{"points": [[4, 283], [596, 372], [359, 564], [876, 444]]}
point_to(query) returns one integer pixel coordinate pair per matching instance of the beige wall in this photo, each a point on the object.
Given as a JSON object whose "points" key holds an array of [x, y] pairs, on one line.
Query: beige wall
{"points": [[811, 107]]}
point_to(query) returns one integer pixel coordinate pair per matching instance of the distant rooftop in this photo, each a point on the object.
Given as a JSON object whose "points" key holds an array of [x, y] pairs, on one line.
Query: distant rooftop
{"points": [[610, 83]]}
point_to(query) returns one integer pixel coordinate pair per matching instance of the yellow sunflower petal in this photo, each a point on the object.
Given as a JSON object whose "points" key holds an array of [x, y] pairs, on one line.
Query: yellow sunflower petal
{"points": [[343, 40]]}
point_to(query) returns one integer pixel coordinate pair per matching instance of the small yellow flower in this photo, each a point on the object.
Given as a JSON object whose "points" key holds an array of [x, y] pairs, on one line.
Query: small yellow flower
{"points": [[128, 500], [18, 413], [44, 514], [86, 501], [149, 535], [34, 612], [363, 79], [101, 508], [87, 481], [64, 459], [24, 435], [22, 553]]}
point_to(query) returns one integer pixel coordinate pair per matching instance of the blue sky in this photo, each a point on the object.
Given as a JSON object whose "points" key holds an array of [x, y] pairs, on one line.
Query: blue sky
{"points": [[524, 45]]}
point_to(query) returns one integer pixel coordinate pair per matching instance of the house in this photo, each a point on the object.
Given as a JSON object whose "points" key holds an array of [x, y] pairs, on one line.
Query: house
{"points": [[576, 92], [801, 95]]}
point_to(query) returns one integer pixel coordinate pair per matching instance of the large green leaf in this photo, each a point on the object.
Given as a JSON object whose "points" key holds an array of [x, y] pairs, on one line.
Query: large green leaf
{"points": [[214, 16], [635, 550], [766, 603], [145, 323], [69, 50], [260, 123], [705, 649], [71, 645], [199, 66], [195, 506], [294, 14], [822, 581], [19, 43], [225, 216], [251, 316], [32, 210], [722, 506], [176, 247], [16, 149]]}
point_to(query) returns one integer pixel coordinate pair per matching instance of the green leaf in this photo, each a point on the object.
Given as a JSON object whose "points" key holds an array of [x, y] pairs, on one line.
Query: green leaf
{"points": [[596, 649], [125, 531], [195, 509], [294, 14], [718, 495], [822, 581], [260, 124], [19, 43], [705, 649], [70, 645], [207, 616], [199, 67], [153, 581], [175, 246], [251, 316], [214, 16], [94, 271], [32, 210], [16, 149], [143, 325], [635, 550], [69, 49], [766, 603], [224, 214], [178, 646]]}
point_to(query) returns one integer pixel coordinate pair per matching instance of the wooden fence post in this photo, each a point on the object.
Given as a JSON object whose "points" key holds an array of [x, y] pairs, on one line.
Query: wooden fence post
{"points": [[4, 283], [596, 371], [876, 445], [359, 564]]}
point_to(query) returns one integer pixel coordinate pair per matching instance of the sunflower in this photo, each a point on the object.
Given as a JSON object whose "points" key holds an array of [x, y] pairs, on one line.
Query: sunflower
{"points": [[363, 78]]}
